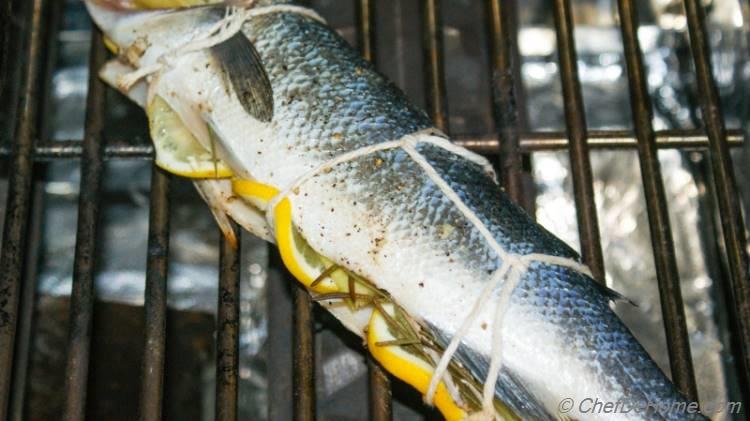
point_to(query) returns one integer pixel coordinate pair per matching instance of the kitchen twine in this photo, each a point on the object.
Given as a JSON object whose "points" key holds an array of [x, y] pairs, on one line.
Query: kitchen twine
{"points": [[231, 24], [512, 266], [511, 269]]}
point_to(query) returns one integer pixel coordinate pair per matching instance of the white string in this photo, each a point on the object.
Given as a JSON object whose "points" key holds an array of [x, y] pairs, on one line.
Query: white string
{"points": [[449, 382], [503, 301], [558, 261], [348, 156], [512, 263], [453, 197], [516, 264], [444, 143], [231, 24], [468, 321], [424, 135]]}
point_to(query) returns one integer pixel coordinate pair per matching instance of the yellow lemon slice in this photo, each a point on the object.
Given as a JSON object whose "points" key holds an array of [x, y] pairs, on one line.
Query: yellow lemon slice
{"points": [[177, 150], [407, 366], [302, 260], [111, 46]]}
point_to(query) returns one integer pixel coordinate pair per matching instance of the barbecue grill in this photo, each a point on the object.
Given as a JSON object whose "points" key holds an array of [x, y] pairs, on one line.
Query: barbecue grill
{"points": [[28, 53]]}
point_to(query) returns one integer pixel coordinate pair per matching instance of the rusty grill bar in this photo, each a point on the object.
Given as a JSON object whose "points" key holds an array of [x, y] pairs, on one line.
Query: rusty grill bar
{"points": [[489, 144], [583, 186], [228, 329], [656, 202], [503, 51], [155, 300], [26, 149], [19, 195], [732, 226], [381, 405]]}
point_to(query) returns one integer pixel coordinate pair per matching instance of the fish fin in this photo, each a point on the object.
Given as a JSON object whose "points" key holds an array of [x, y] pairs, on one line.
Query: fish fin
{"points": [[111, 73], [242, 66], [613, 295], [226, 205], [213, 200]]}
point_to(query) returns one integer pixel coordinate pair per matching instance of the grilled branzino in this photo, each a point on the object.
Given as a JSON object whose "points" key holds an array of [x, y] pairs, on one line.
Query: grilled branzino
{"points": [[407, 239]]}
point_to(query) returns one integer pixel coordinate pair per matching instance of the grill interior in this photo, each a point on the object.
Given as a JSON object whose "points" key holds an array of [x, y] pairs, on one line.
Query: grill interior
{"points": [[501, 129]]}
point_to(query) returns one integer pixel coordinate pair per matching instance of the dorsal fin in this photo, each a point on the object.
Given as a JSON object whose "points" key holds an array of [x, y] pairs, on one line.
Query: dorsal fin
{"points": [[244, 71], [613, 295]]}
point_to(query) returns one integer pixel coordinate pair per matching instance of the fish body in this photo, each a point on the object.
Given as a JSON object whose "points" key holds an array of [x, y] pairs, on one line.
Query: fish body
{"points": [[382, 216]]}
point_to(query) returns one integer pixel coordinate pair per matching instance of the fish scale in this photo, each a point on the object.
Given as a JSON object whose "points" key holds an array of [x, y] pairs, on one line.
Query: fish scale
{"points": [[365, 109], [382, 217]]}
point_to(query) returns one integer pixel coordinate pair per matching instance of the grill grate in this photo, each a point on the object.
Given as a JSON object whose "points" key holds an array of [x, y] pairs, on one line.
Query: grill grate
{"points": [[518, 142]]}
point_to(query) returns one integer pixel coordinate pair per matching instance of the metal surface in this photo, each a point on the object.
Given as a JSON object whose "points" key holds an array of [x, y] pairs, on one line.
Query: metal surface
{"points": [[155, 302], [516, 141], [366, 29], [18, 203], [27, 309], [502, 53], [528, 142], [228, 330], [25, 324], [82, 295], [730, 213], [432, 45], [280, 322], [598, 139], [381, 402], [381, 406], [656, 201], [588, 225], [304, 355]]}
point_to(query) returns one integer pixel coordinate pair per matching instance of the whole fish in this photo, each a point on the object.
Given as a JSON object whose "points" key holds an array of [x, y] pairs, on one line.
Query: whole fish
{"points": [[407, 239]]}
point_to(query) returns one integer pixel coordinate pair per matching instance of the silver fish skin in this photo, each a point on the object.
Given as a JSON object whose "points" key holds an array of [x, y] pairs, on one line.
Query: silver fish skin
{"points": [[383, 218]]}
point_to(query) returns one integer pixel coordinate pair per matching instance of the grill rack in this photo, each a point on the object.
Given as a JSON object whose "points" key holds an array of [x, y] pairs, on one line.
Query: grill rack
{"points": [[29, 146]]}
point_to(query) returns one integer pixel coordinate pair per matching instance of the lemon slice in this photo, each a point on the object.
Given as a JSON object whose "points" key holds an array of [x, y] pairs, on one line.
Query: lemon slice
{"points": [[111, 45], [177, 150], [407, 366], [302, 260]]}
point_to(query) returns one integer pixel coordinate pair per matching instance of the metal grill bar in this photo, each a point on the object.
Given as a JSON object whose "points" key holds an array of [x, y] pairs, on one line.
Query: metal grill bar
{"points": [[502, 45], [304, 356], [6, 19], [678, 343], [228, 329], [25, 323], [66, 149], [381, 405], [381, 402], [93, 151], [432, 45], [366, 29], [280, 334], [598, 139], [733, 228], [26, 310], [18, 204], [82, 295], [529, 142], [303, 349], [588, 225], [155, 298]]}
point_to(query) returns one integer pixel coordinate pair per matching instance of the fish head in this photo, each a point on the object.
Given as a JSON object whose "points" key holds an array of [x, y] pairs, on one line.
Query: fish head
{"points": [[141, 35]]}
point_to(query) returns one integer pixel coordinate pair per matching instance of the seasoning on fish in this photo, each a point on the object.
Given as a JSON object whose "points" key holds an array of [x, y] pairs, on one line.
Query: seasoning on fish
{"points": [[406, 238]]}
